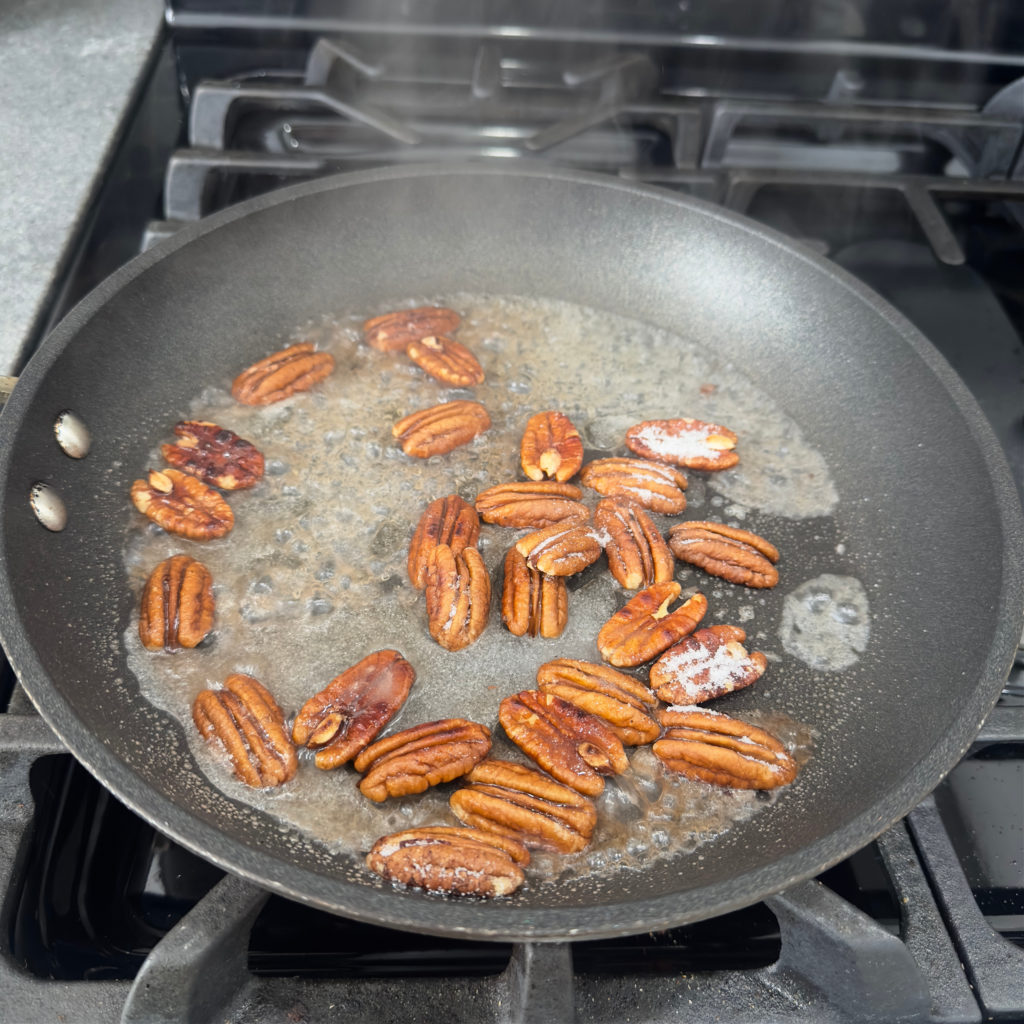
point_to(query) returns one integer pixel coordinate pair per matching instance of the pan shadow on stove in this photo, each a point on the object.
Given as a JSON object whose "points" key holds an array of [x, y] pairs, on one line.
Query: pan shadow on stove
{"points": [[97, 888]]}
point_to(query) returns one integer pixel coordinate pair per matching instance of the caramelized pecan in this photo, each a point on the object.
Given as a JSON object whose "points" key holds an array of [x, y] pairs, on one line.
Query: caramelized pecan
{"points": [[562, 549], [447, 360], [684, 442], [551, 447], [441, 428], [282, 374], [567, 742], [620, 700], [245, 719], [177, 605], [217, 456], [650, 484], [458, 593], [448, 520], [738, 556], [637, 553], [392, 332], [531, 601], [455, 861], [353, 708], [644, 627], [522, 803], [724, 751], [183, 505], [415, 759], [707, 664], [530, 505]]}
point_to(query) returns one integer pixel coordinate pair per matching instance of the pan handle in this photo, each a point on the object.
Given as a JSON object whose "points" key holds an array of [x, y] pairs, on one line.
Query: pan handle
{"points": [[6, 387]]}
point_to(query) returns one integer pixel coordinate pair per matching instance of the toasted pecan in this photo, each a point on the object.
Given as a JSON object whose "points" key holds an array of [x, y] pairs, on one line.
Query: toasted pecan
{"points": [[551, 447], [637, 553], [708, 663], [282, 374], [458, 596], [530, 505], [441, 428], [446, 360], [652, 485], [738, 556], [449, 520], [217, 456], [531, 601], [183, 505], [562, 549], [392, 332], [177, 605], [644, 627], [684, 442]]}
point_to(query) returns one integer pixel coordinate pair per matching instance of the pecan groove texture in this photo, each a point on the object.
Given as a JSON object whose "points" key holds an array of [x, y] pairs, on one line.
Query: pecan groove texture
{"points": [[182, 504], [738, 556], [562, 549], [177, 605], [532, 603], [551, 447], [446, 360], [351, 710], [530, 505], [524, 804], [245, 719], [458, 596], [637, 553], [644, 627], [425, 755], [449, 520], [707, 664], [650, 484], [282, 374], [441, 428], [724, 751]]}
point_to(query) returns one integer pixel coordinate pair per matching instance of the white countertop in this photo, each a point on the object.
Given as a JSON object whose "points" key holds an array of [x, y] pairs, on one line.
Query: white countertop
{"points": [[68, 70]]}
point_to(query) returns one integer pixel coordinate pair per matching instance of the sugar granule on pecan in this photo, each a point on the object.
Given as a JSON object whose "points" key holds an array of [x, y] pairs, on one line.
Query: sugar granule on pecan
{"points": [[449, 520], [712, 747], [177, 605], [562, 549], [245, 719], [728, 552], [216, 455], [351, 710], [551, 447], [183, 505], [684, 442], [282, 374], [450, 860], [709, 663], [652, 485]]}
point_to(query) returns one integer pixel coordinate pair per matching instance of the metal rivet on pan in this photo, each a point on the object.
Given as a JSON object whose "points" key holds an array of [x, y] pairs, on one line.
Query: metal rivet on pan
{"points": [[72, 435], [48, 507]]}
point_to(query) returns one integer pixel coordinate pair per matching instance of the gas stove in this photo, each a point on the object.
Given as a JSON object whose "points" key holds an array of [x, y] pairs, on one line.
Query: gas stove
{"points": [[887, 137]]}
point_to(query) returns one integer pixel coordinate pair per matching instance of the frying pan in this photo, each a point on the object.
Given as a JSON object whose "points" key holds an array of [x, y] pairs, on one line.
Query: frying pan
{"points": [[926, 504]]}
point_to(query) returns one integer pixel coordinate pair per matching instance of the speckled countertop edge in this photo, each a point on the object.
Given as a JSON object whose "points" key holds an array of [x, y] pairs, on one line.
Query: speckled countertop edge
{"points": [[68, 71]]}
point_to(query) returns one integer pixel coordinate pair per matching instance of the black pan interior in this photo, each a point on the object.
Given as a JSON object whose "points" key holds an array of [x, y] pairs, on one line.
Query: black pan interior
{"points": [[926, 505]]}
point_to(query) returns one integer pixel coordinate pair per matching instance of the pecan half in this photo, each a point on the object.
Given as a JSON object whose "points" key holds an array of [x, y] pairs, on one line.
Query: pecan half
{"points": [[181, 504], [530, 505], [441, 428], [454, 861], [282, 374], [637, 553], [216, 455], [551, 447], [245, 719], [522, 803], [415, 759], [353, 708], [177, 605], [458, 593], [724, 751], [707, 664], [567, 742], [620, 700], [447, 360], [563, 549], [531, 601], [644, 627], [738, 556], [392, 332], [449, 520], [650, 484], [684, 442]]}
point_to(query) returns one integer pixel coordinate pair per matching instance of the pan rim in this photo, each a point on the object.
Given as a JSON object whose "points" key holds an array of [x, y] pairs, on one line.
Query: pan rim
{"points": [[513, 923]]}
